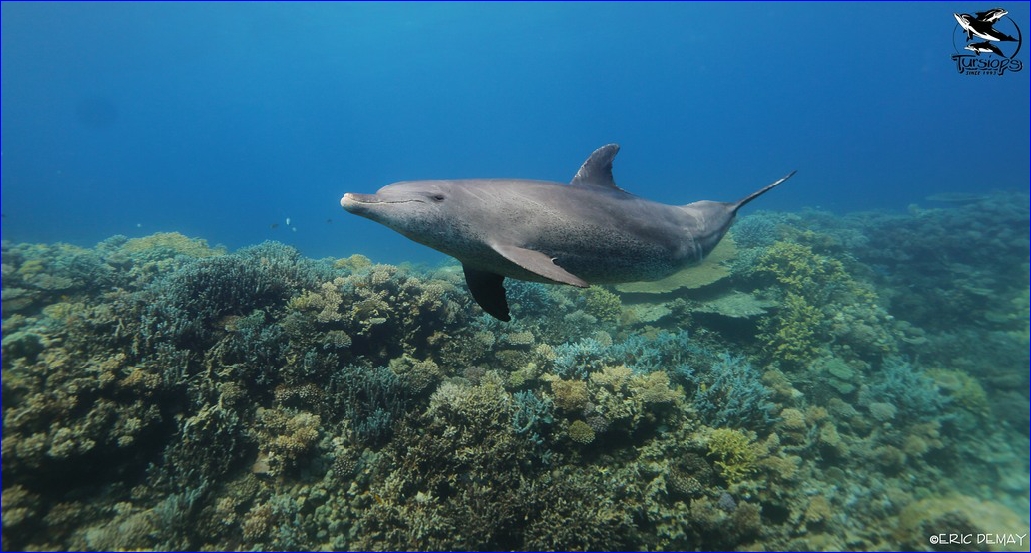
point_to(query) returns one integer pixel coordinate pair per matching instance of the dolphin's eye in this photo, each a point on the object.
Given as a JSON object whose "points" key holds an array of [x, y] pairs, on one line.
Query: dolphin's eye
{"points": [[437, 197]]}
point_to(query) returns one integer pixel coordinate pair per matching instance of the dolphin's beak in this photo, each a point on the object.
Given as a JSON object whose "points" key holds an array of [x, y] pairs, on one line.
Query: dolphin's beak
{"points": [[355, 202]]}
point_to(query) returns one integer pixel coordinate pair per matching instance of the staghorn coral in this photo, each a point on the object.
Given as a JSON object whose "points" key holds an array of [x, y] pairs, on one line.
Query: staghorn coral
{"points": [[370, 399], [916, 396], [188, 301], [731, 393]]}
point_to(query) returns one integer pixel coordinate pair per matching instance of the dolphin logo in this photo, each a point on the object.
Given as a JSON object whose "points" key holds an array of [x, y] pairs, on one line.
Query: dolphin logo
{"points": [[983, 47], [982, 25]]}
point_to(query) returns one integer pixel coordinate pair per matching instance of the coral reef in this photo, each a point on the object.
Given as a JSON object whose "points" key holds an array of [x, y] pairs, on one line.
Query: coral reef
{"points": [[848, 382]]}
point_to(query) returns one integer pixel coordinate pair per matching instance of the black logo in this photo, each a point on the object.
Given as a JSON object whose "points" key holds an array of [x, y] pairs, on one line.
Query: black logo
{"points": [[987, 43]]}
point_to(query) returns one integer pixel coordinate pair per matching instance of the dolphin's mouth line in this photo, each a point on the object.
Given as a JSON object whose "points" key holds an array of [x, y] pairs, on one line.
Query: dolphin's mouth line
{"points": [[364, 199]]}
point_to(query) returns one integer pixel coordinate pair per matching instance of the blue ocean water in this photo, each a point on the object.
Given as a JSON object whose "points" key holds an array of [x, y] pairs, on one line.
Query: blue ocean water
{"points": [[222, 121]]}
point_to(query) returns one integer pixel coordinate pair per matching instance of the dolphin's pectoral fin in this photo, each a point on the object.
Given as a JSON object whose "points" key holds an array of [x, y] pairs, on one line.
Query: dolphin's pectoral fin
{"points": [[489, 291], [597, 170], [540, 264]]}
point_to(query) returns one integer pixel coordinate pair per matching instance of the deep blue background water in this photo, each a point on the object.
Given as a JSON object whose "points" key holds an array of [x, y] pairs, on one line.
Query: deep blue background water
{"points": [[220, 120]]}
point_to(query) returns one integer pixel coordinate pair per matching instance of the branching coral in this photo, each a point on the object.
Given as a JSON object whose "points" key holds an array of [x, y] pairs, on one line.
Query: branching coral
{"points": [[813, 286], [732, 393], [285, 437], [734, 453]]}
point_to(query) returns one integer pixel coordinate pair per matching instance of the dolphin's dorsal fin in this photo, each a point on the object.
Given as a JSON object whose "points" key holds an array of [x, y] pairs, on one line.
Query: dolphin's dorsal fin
{"points": [[597, 170]]}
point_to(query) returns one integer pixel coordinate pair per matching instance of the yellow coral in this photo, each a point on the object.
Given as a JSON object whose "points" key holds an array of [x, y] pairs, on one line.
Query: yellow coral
{"points": [[325, 303], [193, 247], [734, 453], [791, 334], [616, 378], [810, 282], [286, 437], [792, 420], [31, 268], [653, 388], [570, 395], [524, 338], [801, 271], [818, 511], [354, 263]]}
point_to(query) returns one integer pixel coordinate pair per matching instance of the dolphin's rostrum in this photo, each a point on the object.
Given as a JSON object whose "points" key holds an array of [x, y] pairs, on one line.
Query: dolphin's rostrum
{"points": [[586, 232]]}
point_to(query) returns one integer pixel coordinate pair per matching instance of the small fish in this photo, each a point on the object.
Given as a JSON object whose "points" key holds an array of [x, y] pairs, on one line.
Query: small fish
{"points": [[287, 221], [274, 226], [293, 229]]}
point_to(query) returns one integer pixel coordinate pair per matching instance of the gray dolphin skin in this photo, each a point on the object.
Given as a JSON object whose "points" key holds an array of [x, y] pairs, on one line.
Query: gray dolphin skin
{"points": [[586, 232]]}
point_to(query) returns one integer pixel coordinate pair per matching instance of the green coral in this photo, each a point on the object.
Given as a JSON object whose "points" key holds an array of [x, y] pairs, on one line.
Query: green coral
{"points": [[580, 432], [836, 373]]}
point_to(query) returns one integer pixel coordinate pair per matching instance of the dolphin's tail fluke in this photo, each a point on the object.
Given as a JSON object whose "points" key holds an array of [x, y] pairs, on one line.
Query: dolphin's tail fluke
{"points": [[740, 203]]}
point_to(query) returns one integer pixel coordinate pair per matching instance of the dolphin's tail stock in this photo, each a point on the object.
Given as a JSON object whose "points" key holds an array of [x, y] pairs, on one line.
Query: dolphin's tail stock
{"points": [[740, 203]]}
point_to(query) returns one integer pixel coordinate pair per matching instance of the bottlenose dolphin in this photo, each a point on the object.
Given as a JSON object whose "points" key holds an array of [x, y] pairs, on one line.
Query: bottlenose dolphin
{"points": [[586, 232]]}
